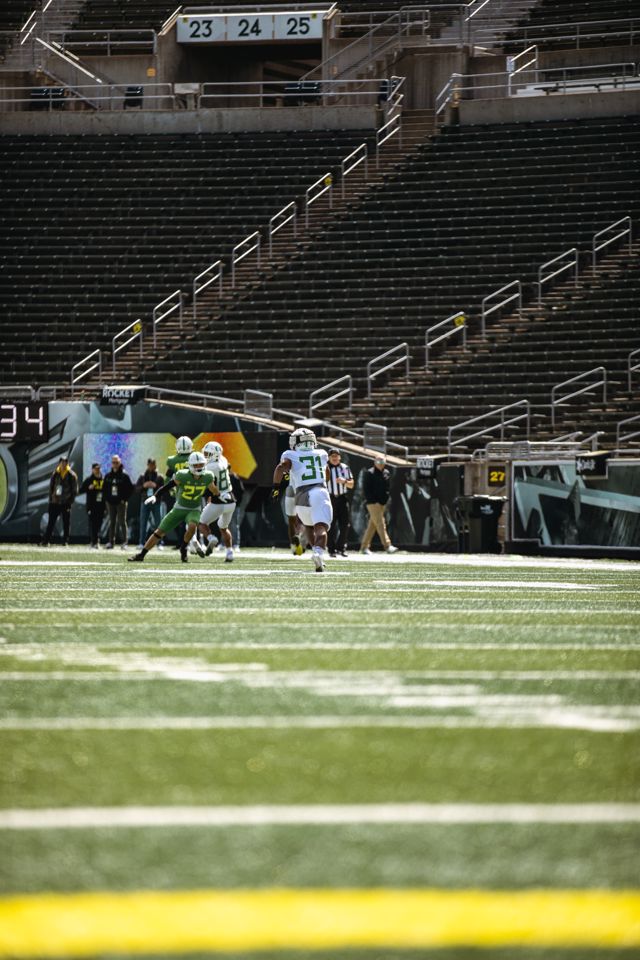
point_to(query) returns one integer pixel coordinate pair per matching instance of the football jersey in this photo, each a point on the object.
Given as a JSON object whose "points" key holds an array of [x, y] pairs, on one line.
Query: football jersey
{"points": [[308, 467], [179, 461], [222, 478], [190, 489]]}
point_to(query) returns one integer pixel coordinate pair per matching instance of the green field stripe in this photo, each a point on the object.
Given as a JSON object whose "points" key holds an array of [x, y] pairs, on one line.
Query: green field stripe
{"points": [[343, 765], [453, 856]]}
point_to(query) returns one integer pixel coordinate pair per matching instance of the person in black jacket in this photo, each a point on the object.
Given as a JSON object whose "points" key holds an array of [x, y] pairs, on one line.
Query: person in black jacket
{"points": [[117, 490], [63, 489], [93, 486], [376, 483]]}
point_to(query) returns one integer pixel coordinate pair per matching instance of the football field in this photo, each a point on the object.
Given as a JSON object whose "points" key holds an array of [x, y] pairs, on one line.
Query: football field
{"points": [[416, 756]]}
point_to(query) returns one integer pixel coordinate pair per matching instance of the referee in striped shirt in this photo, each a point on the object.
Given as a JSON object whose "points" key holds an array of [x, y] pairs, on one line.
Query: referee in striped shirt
{"points": [[340, 482]]}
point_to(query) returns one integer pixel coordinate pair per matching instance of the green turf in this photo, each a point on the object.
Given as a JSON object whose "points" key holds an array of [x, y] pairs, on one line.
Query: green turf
{"points": [[527, 687]]}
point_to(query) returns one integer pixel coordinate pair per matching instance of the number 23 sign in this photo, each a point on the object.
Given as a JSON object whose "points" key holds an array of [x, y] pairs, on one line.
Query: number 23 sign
{"points": [[243, 28]]}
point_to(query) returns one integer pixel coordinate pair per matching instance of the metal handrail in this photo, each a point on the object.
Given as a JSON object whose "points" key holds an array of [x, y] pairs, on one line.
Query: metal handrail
{"points": [[533, 34], [393, 126], [242, 250], [404, 358], [346, 391], [94, 359], [105, 37], [632, 368], [176, 297], [280, 219], [280, 92], [103, 96], [325, 68], [258, 403], [458, 327], [473, 83], [556, 401], [596, 247], [573, 253], [512, 70], [135, 330], [211, 278], [489, 429], [624, 438], [357, 156], [315, 191], [515, 296]]}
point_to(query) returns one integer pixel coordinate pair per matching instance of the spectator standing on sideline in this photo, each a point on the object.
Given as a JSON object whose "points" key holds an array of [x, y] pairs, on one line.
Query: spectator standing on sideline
{"points": [[376, 485], [93, 486], [63, 489], [340, 482], [147, 484], [117, 490]]}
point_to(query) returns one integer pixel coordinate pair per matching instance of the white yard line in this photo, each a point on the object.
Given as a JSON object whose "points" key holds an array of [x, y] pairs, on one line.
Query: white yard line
{"points": [[542, 717], [493, 584], [228, 671], [325, 610], [63, 818], [52, 649]]}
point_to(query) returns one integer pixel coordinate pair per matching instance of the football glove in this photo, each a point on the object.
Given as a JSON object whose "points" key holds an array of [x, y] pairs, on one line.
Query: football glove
{"points": [[275, 491], [150, 500]]}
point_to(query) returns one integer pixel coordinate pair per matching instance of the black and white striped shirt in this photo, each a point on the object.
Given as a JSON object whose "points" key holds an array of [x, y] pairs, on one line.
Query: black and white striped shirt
{"points": [[340, 470]]}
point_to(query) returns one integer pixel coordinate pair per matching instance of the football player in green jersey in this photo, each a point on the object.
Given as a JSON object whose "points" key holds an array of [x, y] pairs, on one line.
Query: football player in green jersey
{"points": [[190, 485], [179, 461]]}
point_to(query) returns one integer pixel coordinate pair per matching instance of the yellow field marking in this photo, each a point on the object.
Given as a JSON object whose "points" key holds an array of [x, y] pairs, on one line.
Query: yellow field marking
{"points": [[86, 924]]}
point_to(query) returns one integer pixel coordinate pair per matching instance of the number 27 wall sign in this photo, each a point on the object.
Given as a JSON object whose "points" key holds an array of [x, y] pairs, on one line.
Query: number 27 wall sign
{"points": [[250, 27]]}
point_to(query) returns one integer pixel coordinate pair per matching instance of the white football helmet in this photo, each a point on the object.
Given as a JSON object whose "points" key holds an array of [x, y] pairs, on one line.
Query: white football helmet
{"points": [[212, 450], [184, 445], [302, 439], [197, 462]]}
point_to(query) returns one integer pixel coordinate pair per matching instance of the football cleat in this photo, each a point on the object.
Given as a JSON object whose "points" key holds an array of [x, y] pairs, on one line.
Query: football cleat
{"points": [[213, 543], [296, 547], [136, 558], [184, 553], [229, 556], [184, 445], [318, 563], [200, 549], [197, 463], [302, 439]]}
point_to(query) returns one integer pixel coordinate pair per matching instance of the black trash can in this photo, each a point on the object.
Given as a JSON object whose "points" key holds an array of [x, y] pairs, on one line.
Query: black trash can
{"points": [[477, 521]]}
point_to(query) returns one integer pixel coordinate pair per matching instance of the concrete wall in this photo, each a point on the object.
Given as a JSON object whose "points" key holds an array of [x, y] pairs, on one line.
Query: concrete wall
{"points": [[555, 106], [188, 121]]}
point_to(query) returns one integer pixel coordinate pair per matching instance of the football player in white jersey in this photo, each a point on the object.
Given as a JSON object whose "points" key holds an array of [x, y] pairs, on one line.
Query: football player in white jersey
{"points": [[306, 465], [219, 508]]}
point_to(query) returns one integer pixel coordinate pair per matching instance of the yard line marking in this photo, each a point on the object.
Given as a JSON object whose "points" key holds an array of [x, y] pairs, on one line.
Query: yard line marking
{"points": [[184, 921], [80, 818], [324, 610], [584, 717], [358, 645], [495, 584], [339, 676]]}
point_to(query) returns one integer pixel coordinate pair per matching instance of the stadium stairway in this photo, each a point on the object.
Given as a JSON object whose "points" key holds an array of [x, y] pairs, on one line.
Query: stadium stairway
{"points": [[473, 210], [578, 327]]}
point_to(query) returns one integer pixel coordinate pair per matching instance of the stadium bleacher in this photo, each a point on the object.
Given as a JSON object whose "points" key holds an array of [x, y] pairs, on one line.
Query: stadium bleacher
{"points": [[99, 229], [478, 208], [554, 24]]}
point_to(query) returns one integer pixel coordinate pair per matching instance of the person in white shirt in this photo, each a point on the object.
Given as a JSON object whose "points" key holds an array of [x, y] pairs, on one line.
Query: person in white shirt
{"points": [[306, 465]]}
